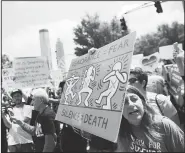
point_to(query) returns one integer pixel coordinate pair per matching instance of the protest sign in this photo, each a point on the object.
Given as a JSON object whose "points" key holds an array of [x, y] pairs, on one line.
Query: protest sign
{"points": [[7, 77], [95, 87], [150, 63], [136, 61], [172, 76], [31, 72], [166, 52]]}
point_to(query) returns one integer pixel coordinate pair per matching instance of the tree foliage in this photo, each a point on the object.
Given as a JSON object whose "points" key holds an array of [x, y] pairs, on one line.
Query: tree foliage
{"points": [[94, 33], [6, 62], [165, 35]]}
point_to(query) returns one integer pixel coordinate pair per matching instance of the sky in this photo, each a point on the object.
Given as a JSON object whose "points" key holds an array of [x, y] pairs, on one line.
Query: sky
{"points": [[21, 25]]}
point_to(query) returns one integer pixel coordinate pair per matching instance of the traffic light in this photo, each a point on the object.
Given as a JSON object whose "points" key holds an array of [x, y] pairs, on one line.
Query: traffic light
{"points": [[123, 24], [158, 6]]}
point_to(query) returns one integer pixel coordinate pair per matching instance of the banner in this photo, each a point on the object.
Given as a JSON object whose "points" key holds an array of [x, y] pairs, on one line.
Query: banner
{"points": [[31, 72], [150, 63], [166, 52], [94, 91], [8, 79]]}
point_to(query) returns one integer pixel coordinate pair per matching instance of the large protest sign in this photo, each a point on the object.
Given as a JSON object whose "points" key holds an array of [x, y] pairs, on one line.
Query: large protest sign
{"points": [[166, 52], [8, 79], [150, 63], [31, 72], [95, 87]]}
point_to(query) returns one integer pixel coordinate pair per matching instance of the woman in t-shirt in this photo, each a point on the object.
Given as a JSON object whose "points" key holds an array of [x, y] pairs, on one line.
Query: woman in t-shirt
{"points": [[143, 131]]}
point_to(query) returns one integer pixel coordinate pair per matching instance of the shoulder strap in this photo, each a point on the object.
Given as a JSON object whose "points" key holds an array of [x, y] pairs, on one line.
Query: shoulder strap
{"points": [[158, 105]]}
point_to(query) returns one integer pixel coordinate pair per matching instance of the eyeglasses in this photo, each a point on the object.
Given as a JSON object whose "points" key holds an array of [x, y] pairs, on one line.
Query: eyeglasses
{"points": [[132, 80]]}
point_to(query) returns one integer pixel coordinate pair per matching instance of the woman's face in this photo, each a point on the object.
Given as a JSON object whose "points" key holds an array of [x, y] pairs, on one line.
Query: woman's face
{"points": [[133, 109]]}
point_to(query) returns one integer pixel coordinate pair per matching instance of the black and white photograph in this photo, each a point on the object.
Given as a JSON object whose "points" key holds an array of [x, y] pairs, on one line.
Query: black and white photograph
{"points": [[92, 76]]}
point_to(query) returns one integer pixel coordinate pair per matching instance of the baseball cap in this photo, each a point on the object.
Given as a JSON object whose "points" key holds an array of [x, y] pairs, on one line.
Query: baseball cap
{"points": [[15, 91]]}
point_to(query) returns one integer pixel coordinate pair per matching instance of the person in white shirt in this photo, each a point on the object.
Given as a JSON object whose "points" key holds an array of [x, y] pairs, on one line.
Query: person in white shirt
{"points": [[18, 139]]}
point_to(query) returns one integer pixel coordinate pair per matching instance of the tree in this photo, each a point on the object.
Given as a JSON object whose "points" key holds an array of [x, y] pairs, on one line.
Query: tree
{"points": [[165, 35], [94, 33], [6, 62]]}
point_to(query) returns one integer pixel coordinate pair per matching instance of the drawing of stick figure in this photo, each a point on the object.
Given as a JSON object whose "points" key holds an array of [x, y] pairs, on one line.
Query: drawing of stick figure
{"points": [[70, 84], [114, 77], [90, 75]]}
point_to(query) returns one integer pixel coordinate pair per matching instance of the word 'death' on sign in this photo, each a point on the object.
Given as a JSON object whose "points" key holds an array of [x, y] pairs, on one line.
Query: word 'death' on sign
{"points": [[94, 92], [31, 72]]}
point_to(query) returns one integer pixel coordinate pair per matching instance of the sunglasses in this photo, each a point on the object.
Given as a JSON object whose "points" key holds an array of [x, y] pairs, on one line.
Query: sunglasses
{"points": [[132, 80]]}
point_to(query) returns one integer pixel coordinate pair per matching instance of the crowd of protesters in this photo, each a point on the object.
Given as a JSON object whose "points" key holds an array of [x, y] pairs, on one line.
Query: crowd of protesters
{"points": [[151, 120]]}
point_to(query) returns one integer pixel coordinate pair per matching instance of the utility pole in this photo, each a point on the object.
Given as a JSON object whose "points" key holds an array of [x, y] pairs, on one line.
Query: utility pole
{"points": [[183, 4]]}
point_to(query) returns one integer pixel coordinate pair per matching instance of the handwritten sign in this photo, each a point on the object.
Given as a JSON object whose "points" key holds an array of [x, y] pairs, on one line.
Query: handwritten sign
{"points": [[31, 72], [150, 63], [166, 52], [8, 76], [94, 91]]}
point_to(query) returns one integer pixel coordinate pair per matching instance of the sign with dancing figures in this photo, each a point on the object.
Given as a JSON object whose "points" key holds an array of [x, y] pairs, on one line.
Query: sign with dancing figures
{"points": [[95, 87], [31, 72]]}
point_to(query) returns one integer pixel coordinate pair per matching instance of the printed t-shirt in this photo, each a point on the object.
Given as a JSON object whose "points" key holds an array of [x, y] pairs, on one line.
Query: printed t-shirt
{"points": [[164, 102], [172, 139], [16, 134]]}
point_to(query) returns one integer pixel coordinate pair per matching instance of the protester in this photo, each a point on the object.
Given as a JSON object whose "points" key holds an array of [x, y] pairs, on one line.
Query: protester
{"points": [[161, 103], [178, 55], [142, 130], [18, 139], [45, 120], [179, 59], [157, 84]]}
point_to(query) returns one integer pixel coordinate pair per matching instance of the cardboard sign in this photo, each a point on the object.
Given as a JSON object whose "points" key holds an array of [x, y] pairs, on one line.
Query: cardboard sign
{"points": [[94, 91], [31, 72], [8, 79], [136, 61], [173, 78], [166, 52], [150, 63]]}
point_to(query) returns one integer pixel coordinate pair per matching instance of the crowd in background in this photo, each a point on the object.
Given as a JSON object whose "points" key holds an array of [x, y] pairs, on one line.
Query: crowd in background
{"points": [[152, 120]]}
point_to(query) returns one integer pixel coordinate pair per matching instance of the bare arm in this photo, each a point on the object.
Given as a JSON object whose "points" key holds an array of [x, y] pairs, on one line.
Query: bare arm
{"points": [[25, 126], [6, 121], [25, 97], [51, 100]]}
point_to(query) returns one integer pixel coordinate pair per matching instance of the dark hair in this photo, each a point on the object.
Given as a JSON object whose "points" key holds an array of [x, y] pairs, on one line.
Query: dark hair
{"points": [[140, 75], [61, 84], [148, 122]]}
